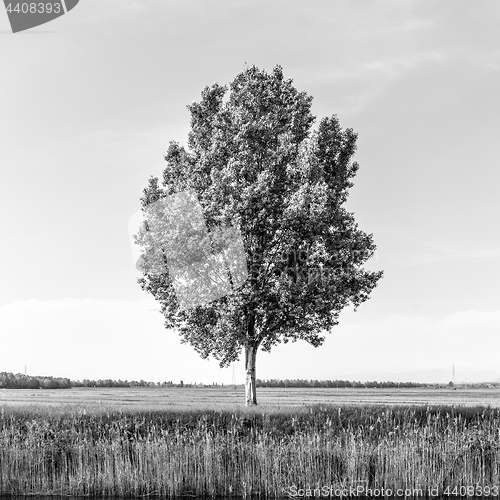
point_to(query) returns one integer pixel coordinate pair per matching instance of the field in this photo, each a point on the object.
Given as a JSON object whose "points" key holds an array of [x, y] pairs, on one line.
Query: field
{"points": [[203, 442], [230, 398]]}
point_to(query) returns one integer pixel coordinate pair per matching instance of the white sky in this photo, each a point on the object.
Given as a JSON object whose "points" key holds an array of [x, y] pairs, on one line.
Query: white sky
{"points": [[89, 102]]}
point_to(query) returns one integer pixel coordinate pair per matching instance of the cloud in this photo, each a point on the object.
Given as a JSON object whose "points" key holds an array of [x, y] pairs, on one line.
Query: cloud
{"points": [[91, 338], [367, 81], [386, 68], [112, 10], [427, 248], [399, 343]]}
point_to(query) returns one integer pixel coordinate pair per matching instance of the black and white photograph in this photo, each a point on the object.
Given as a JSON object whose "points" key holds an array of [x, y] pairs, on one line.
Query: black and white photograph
{"points": [[249, 249]]}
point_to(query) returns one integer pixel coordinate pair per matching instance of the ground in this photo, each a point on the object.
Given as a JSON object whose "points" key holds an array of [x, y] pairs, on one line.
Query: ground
{"points": [[228, 398]]}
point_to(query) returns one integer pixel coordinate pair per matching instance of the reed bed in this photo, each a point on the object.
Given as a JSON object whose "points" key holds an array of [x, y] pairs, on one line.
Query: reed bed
{"points": [[244, 453]]}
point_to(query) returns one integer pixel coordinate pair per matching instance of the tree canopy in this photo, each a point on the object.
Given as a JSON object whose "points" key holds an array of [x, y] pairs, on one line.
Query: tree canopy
{"points": [[256, 165]]}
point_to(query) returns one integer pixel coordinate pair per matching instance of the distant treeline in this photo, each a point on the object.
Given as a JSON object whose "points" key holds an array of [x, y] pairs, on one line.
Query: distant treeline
{"points": [[121, 383], [329, 384], [297, 383], [10, 380], [20, 381]]}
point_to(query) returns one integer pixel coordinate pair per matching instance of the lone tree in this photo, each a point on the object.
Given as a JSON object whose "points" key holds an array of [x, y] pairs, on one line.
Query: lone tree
{"points": [[255, 164]]}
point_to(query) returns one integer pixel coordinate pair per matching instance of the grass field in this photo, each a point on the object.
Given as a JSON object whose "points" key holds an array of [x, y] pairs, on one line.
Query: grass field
{"points": [[204, 442], [230, 398]]}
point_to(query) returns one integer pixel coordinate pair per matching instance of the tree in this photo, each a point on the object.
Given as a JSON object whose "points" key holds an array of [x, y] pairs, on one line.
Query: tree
{"points": [[254, 163]]}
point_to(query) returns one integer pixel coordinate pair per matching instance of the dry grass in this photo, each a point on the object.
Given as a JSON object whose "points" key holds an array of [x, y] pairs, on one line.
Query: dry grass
{"points": [[229, 398], [114, 453]]}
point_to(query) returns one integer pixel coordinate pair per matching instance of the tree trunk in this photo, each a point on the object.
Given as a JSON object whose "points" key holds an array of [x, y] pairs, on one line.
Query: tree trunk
{"points": [[250, 380]]}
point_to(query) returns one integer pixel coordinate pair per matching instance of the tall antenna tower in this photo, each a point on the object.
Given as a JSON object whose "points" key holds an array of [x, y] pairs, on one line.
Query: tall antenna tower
{"points": [[233, 380], [25, 370], [453, 375]]}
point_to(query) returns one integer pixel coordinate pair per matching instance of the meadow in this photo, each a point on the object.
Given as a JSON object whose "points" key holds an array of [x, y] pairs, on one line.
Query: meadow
{"points": [[166, 442], [230, 397]]}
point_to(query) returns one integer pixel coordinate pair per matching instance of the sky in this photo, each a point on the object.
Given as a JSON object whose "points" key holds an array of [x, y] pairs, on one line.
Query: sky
{"points": [[90, 101]]}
